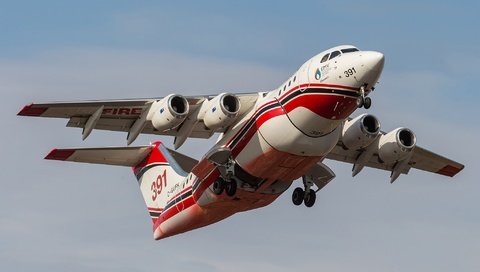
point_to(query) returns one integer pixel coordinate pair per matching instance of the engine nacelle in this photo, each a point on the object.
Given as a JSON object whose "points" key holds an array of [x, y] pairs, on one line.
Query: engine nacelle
{"points": [[221, 111], [396, 145], [360, 132], [169, 112]]}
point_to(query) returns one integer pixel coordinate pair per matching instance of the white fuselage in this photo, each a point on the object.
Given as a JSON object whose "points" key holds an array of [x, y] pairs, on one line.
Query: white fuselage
{"points": [[290, 129]]}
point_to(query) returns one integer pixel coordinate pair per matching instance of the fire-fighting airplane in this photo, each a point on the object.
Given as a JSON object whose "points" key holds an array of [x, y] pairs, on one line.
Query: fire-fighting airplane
{"points": [[267, 140]]}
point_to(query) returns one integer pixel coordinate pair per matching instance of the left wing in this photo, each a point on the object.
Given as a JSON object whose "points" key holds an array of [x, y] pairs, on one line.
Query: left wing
{"points": [[421, 159], [131, 115]]}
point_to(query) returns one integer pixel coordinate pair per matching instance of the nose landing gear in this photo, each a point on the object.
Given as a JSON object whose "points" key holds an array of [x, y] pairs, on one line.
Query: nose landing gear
{"points": [[320, 175], [362, 100], [307, 196]]}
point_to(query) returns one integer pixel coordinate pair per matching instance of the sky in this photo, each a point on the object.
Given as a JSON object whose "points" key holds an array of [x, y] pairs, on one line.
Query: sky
{"points": [[58, 216]]}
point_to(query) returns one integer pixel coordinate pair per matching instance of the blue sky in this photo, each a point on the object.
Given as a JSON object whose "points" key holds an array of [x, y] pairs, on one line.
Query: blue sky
{"points": [[57, 217]]}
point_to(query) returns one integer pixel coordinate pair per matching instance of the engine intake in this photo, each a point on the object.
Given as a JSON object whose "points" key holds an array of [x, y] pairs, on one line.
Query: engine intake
{"points": [[221, 111], [396, 145], [360, 132], [169, 112]]}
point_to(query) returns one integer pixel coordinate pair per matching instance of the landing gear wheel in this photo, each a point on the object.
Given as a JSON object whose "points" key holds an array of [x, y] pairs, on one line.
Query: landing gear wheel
{"points": [[310, 198], [298, 195], [367, 102], [360, 101], [219, 186], [231, 188]]}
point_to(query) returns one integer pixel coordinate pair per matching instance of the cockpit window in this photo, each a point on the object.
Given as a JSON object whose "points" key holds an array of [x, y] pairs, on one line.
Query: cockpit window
{"points": [[325, 58], [334, 54], [349, 50]]}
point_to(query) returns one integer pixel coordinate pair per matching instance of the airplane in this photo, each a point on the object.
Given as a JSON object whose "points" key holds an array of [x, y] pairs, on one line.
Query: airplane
{"points": [[267, 140]]}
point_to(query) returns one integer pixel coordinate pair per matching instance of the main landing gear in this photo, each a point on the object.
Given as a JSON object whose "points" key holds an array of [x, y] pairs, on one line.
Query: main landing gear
{"points": [[307, 195], [362, 100], [225, 182], [220, 185]]}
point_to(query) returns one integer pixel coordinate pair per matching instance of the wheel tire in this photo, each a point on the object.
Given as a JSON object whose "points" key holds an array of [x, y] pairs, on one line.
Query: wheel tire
{"points": [[297, 196], [310, 198], [367, 103], [218, 186], [360, 101], [231, 188]]}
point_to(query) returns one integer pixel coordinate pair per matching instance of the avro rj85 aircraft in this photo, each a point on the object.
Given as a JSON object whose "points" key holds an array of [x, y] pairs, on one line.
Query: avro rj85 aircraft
{"points": [[267, 141]]}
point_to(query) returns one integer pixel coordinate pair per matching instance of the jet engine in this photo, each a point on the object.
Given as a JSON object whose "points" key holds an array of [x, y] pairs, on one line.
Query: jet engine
{"points": [[396, 145], [221, 111], [169, 112], [360, 132]]}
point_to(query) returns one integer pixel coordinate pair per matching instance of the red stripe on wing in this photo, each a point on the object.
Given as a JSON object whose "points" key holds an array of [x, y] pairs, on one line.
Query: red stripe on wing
{"points": [[32, 110], [60, 154], [449, 171]]}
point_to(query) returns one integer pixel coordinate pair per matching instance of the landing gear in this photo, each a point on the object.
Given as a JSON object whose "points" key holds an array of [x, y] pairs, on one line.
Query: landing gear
{"points": [[231, 187], [307, 197], [298, 195], [220, 185], [221, 157], [363, 101], [367, 102], [310, 198]]}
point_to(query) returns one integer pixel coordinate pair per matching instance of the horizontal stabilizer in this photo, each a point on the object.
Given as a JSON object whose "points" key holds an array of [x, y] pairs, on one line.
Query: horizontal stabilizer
{"points": [[123, 156]]}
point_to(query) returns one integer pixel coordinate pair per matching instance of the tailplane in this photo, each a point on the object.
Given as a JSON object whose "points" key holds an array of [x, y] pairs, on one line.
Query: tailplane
{"points": [[156, 168]]}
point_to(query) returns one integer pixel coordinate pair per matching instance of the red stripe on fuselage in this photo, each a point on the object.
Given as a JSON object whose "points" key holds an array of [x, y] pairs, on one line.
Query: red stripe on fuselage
{"points": [[178, 194], [186, 203], [328, 106]]}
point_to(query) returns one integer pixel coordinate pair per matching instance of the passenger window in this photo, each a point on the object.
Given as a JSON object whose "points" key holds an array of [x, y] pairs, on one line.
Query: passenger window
{"points": [[334, 54], [290, 82], [325, 58], [295, 77]]}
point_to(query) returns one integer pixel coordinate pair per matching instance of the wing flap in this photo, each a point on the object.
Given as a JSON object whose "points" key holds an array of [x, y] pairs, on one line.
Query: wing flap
{"points": [[350, 156]]}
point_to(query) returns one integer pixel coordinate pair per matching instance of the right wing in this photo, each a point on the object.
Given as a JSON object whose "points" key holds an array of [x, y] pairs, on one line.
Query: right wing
{"points": [[130, 116]]}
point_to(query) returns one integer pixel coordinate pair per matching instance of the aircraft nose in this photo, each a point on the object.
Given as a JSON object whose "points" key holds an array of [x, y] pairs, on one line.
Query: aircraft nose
{"points": [[374, 60]]}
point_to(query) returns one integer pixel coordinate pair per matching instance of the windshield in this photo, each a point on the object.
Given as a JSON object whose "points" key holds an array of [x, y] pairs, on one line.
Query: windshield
{"points": [[349, 50], [335, 54]]}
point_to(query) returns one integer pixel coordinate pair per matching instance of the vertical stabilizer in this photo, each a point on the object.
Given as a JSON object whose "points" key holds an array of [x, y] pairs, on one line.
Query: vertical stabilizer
{"points": [[158, 174]]}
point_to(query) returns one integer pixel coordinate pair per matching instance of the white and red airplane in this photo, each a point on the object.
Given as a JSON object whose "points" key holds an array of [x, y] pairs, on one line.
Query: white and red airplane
{"points": [[267, 141]]}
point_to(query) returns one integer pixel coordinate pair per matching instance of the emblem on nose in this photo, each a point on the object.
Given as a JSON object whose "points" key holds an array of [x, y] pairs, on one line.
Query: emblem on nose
{"points": [[318, 74]]}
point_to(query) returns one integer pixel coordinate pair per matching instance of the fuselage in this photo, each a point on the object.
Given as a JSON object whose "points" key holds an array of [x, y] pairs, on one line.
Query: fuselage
{"points": [[290, 129]]}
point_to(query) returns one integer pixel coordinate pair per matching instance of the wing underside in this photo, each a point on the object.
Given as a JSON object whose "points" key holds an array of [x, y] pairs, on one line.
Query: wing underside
{"points": [[421, 159], [124, 115]]}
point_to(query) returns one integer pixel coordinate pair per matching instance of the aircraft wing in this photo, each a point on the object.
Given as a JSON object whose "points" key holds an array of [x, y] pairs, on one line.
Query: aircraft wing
{"points": [[421, 159], [124, 115]]}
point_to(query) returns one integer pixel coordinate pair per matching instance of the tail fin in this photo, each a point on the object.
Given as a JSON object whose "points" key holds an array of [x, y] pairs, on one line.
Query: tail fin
{"points": [[156, 174], [154, 166]]}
